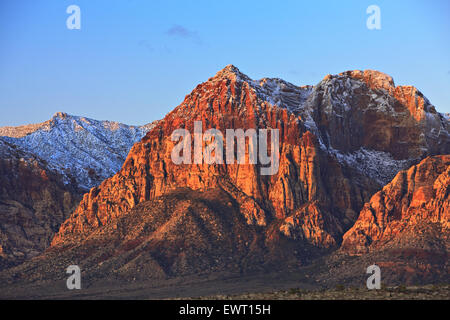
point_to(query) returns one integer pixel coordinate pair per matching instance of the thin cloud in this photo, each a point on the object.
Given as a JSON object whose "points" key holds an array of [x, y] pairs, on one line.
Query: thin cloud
{"points": [[182, 32], [145, 44]]}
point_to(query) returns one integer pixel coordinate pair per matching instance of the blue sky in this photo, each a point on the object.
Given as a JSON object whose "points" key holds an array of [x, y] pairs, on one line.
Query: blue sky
{"points": [[135, 60]]}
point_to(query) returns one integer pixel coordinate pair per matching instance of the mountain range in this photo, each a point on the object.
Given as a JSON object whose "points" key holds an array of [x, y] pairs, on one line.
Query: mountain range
{"points": [[79, 148], [45, 168], [363, 176]]}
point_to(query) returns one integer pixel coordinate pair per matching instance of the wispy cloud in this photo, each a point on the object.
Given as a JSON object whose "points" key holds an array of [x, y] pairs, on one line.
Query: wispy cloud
{"points": [[145, 44], [182, 32]]}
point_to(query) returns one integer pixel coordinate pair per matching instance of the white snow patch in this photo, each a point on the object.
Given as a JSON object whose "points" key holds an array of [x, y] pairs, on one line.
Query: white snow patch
{"points": [[378, 165]]}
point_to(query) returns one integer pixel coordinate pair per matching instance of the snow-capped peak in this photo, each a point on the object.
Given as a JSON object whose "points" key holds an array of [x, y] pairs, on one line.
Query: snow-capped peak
{"points": [[85, 149], [344, 110]]}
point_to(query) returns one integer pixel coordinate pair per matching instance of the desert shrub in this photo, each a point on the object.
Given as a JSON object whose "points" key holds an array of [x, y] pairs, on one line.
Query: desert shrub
{"points": [[340, 287]]}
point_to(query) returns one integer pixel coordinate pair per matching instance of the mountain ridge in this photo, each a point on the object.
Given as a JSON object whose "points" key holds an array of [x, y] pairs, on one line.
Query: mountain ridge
{"points": [[341, 141], [44, 170], [303, 186], [85, 149]]}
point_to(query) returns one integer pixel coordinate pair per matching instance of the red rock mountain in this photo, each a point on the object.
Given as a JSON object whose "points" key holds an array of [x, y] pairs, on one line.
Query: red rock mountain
{"points": [[412, 211], [340, 141]]}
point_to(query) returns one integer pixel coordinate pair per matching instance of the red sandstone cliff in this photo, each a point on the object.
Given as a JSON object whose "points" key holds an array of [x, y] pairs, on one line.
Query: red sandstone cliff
{"points": [[318, 191], [412, 211], [341, 141]]}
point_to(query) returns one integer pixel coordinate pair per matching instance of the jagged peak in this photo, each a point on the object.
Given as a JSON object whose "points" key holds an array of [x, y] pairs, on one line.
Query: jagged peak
{"points": [[373, 78], [63, 118], [276, 91], [108, 124], [60, 115], [230, 72], [231, 68], [283, 94]]}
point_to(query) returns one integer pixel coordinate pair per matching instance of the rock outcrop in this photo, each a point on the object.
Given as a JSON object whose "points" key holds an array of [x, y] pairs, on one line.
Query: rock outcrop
{"points": [[34, 201], [333, 138], [411, 212], [355, 110], [340, 142], [183, 232]]}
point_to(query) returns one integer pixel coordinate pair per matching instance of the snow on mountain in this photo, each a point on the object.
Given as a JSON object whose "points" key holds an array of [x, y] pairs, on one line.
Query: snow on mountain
{"points": [[378, 165], [340, 103], [80, 148], [9, 150], [336, 110], [388, 116], [273, 90]]}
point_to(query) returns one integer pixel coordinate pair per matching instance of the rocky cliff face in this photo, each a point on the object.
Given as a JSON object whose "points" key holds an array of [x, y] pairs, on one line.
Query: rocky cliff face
{"points": [[34, 201], [340, 141], [412, 211], [180, 233], [362, 116]]}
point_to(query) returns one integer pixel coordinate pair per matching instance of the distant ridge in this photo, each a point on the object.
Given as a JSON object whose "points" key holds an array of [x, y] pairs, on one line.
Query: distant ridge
{"points": [[82, 148], [340, 142]]}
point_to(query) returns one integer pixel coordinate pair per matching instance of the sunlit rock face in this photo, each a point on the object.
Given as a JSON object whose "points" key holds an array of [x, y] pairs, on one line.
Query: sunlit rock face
{"points": [[412, 211], [340, 142]]}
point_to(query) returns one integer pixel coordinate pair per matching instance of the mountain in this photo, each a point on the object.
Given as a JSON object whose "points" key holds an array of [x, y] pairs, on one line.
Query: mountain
{"points": [[412, 211], [403, 229], [85, 149], [376, 126], [320, 178], [34, 201], [44, 170], [340, 142]]}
